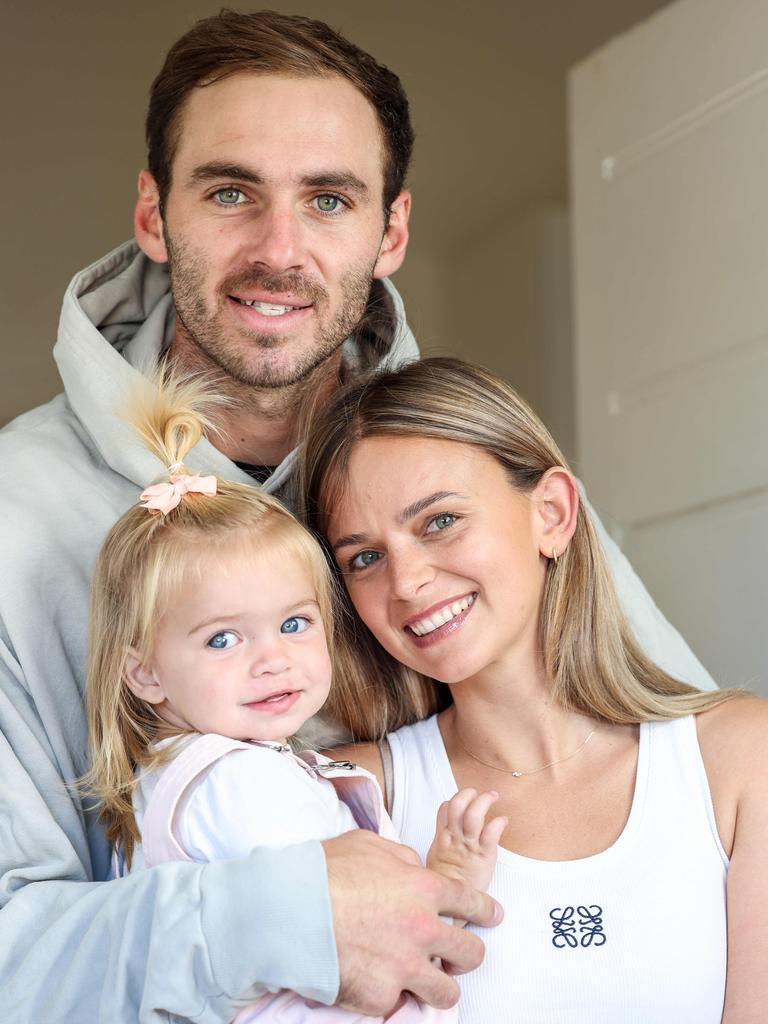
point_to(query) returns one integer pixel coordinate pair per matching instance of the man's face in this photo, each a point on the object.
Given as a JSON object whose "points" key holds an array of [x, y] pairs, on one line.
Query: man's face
{"points": [[274, 222]]}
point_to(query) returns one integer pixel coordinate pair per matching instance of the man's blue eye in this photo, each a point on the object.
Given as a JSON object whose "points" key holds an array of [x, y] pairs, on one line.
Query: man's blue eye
{"points": [[229, 196], [296, 624], [364, 559], [328, 204], [221, 641]]}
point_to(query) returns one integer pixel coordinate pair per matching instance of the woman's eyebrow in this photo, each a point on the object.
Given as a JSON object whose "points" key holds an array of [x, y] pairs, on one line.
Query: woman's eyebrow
{"points": [[351, 540], [408, 513], [418, 506]]}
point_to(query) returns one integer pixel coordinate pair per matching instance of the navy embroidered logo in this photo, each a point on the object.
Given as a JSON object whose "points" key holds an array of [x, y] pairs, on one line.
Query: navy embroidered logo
{"points": [[577, 926]]}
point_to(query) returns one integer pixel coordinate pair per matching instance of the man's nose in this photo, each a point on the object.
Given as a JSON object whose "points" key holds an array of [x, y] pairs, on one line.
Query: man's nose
{"points": [[277, 241]]}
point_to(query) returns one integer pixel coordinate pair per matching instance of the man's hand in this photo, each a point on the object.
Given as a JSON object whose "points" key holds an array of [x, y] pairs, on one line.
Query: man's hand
{"points": [[389, 935]]}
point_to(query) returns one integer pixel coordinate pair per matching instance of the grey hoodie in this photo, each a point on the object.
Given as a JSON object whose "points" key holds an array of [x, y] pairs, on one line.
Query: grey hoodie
{"points": [[196, 942], [181, 941]]}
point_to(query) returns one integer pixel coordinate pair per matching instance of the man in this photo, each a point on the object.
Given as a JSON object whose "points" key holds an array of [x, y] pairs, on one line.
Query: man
{"points": [[277, 158]]}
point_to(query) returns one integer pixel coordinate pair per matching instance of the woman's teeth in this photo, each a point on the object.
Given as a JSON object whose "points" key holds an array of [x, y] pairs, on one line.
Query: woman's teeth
{"points": [[437, 619]]}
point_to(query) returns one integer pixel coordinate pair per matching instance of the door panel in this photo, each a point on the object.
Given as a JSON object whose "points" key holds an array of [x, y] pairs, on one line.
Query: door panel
{"points": [[669, 155]]}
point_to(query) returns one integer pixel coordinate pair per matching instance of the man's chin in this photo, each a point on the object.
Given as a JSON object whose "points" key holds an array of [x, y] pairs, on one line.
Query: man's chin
{"points": [[272, 374]]}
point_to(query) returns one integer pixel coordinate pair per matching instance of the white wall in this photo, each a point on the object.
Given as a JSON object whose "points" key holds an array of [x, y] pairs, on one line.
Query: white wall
{"points": [[507, 306]]}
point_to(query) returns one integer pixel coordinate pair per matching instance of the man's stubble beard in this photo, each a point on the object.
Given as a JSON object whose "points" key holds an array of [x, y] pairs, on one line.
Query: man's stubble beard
{"points": [[231, 350]]}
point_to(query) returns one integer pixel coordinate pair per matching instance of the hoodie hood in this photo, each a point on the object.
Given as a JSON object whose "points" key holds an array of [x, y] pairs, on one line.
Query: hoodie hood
{"points": [[117, 318]]}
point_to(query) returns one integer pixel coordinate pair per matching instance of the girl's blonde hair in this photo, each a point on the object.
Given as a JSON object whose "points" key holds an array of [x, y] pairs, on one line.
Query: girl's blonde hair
{"points": [[588, 649], [145, 560]]}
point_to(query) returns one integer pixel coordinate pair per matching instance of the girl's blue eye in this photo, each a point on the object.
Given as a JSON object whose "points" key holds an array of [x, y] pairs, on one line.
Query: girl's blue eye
{"points": [[221, 641], [296, 624], [441, 522], [229, 196], [364, 559]]}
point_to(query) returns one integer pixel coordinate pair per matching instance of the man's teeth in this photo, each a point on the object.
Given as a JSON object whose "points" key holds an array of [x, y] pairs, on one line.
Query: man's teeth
{"points": [[433, 622], [267, 308]]}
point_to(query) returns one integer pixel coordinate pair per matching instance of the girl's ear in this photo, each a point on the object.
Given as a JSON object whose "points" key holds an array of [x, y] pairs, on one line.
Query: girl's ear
{"points": [[141, 678], [557, 502]]}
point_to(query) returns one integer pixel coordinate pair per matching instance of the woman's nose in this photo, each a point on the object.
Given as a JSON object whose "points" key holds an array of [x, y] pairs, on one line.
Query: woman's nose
{"points": [[409, 571]]}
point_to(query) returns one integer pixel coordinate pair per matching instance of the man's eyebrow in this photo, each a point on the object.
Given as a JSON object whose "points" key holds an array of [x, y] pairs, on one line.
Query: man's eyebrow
{"points": [[344, 180], [214, 171], [218, 170], [409, 512]]}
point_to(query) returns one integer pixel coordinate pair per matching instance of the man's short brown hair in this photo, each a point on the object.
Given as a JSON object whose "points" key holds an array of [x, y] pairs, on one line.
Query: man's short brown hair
{"points": [[267, 42]]}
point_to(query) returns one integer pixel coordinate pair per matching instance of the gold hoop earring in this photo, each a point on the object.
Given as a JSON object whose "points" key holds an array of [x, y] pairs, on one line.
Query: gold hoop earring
{"points": [[554, 557]]}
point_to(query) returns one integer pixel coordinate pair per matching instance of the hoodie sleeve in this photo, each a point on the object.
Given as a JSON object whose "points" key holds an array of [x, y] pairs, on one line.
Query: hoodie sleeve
{"points": [[658, 638], [191, 942]]}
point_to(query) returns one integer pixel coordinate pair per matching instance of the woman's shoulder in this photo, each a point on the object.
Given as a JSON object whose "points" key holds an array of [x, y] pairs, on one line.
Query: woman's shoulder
{"points": [[735, 731], [733, 738], [367, 755]]}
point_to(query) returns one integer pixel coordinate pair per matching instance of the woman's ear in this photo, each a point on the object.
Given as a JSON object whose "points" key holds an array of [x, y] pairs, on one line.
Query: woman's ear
{"points": [[148, 221], [141, 679], [556, 496]]}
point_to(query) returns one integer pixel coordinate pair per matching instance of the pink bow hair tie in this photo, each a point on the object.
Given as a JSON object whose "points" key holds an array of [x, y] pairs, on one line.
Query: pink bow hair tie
{"points": [[166, 496]]}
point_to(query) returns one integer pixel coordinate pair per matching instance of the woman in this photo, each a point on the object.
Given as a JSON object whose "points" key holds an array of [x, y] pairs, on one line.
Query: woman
{"points": [[484, 636]]}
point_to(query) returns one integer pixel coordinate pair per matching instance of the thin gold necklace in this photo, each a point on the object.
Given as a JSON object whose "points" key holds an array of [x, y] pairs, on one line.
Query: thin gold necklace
{"points": [[514, 772]]}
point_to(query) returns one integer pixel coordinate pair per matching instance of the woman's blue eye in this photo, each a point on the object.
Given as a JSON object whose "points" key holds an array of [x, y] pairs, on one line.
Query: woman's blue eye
{"points": [[328, 203], [221, 641], [229, 196], [296, 624], [441, 522], [364, 559]]}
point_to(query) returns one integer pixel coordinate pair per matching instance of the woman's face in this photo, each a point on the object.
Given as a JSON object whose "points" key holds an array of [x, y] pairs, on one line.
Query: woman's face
{"points": [[441, 555]]}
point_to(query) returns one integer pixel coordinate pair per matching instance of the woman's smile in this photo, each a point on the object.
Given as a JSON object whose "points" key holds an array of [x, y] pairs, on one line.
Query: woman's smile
{"points": [[436, 544], [441, 620]]}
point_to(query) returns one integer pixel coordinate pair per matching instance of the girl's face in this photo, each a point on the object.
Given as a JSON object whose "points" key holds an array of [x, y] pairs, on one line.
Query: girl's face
{"points": [[241, 652], [442, 557]]}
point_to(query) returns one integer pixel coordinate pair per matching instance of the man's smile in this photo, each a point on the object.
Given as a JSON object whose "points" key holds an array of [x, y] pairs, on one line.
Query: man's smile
{"points": [[267, 308]]}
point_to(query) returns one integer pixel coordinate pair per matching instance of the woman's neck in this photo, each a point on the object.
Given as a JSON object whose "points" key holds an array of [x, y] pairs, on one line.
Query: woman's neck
{"points": [[509, 717]]}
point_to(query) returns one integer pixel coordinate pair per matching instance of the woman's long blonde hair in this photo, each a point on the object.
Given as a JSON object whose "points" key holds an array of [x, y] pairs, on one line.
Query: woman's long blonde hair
{"points": [[588, 649], [144, 562]]}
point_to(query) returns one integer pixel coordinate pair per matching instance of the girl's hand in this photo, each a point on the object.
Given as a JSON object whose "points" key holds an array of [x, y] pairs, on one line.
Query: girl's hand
{"points": [[465, 846]]}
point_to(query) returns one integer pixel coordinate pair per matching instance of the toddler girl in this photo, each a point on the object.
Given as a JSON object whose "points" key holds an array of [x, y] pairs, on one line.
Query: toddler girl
{"points": [[211, 644]]}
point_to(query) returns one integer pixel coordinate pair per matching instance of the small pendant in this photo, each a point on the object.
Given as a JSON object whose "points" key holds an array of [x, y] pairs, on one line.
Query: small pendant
{"points": [[516, 775]]}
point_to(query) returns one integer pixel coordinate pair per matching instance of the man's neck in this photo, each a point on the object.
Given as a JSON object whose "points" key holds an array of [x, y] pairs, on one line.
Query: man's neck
{"points": [[258, 426]]}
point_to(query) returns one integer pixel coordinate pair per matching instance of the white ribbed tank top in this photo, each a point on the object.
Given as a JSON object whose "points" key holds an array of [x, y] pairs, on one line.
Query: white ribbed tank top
{"points": [[633, 935]]}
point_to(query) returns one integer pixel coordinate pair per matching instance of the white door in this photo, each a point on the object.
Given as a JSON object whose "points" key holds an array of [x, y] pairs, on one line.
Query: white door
{"points": [[669, 155]]}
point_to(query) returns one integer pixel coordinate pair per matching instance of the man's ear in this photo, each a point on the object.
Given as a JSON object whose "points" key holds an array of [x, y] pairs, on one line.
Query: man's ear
{"points": [[148, 221], [556, 498], [141, 679], [395, 240]]}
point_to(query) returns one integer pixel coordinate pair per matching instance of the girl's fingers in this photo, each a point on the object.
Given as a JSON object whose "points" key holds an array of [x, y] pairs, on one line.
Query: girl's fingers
{"points": [[492, 833], [457, 807], [442, 815], [476, 812]]}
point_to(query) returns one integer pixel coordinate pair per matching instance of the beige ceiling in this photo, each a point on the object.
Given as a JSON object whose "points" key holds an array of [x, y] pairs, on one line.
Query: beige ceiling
{"points": [[486, 81]]}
